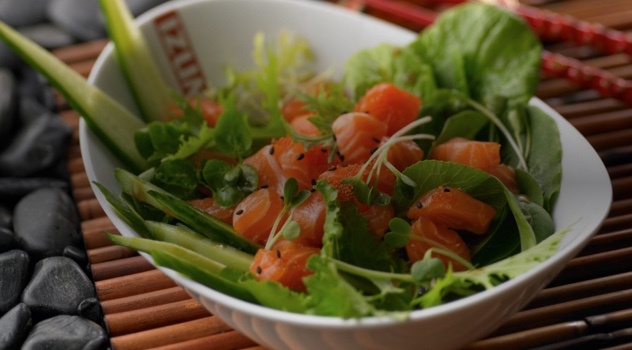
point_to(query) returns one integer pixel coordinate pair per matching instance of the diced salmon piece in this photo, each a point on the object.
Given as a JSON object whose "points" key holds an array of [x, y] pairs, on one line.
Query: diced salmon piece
{"points": [[255, 215], [284, 264], [436, 236], [477, 154], [295, 161], [310, 216], [453, 208], [336, 174], [506, 175], [293, 108], [209, 205], [357, 135], [394, 106], [302, 125], [268, 168]]}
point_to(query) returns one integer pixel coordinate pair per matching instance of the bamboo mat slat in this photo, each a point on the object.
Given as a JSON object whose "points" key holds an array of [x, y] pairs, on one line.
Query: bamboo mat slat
{"points": [[588, 305]]}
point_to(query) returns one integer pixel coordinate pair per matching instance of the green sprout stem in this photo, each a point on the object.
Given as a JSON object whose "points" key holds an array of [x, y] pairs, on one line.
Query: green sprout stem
{"points": [[274, 235], [380, 155], [503, 129]]}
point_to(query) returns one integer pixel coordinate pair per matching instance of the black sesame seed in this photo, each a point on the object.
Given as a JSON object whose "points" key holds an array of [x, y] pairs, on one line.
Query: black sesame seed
{"points": [[418, 205], [271, 150], [373, 150], [278, 254], [282, 198], [239, 212], [332, 168], [342, 158], [324, 150], [258, 270], [376, 139], [300, 156], [313, 182], [446, 190], [265, 186]]}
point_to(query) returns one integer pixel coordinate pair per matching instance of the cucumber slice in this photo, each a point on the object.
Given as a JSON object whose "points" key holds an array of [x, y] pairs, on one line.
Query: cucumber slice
{"points": [[113, 124], [187, 262], [189, 239], [145, 80], [196, 219]]}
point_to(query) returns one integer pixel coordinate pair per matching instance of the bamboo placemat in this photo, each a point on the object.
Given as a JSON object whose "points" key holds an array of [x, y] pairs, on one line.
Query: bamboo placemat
{"points": [[588, 306]]}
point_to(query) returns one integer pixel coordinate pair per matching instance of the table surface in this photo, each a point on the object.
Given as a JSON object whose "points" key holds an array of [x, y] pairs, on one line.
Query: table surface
{"points": [[588, 305]]}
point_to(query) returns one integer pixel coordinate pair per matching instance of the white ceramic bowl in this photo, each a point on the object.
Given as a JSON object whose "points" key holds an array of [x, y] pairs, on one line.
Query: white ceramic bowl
{"points": [[220, 32]]}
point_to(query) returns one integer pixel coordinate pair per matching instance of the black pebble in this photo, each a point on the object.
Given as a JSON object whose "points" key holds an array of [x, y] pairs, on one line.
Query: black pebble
{"points": [[45, 222], [14, 327], [77, 254], [7, 240], [66, 333], [34, 86], [18, 13], [14, 274], [36, 146], [79, 18], [8, 106], [91, 310], [58, 287], [47, 35], [13, 189], [6, 219]]}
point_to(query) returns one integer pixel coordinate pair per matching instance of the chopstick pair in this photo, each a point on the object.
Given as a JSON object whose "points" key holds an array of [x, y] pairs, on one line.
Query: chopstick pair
{"points": [[548, 26]]}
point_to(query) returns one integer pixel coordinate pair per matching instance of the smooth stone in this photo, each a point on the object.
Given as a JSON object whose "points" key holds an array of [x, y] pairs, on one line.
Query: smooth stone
{"points": [[138, 7], [30, 109], [18, 13], [36, 146], [15, 326], [80, 18], [8, 58], [14, 274], [78, 255], [91, 310], [6, 217], [8, 106], [45, 222], [66, 333], [58, 287], [48, 36], [33, 85], [14, 188], [7, 240], [58, 170]]}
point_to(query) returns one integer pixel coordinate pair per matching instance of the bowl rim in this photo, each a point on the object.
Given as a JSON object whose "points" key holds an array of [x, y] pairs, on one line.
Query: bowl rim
{"points": [[563, 255]]}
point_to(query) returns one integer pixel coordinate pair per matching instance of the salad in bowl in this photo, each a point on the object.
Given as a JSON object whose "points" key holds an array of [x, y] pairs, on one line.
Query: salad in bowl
{"points": [[319, 178]]}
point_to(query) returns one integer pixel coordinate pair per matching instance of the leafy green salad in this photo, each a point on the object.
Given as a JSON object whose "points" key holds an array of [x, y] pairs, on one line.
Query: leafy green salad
{"points": [[202, 181]]}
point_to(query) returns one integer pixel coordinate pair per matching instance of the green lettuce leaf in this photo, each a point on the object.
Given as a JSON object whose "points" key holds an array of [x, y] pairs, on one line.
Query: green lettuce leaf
{"points": [[498, 51]]}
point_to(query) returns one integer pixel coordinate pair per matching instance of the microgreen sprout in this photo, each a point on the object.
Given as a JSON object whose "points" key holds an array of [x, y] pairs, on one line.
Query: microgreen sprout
{"points": [[292, 198], [362, 189]]}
